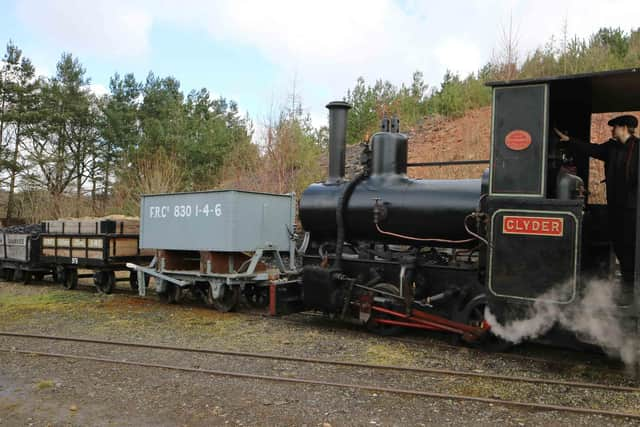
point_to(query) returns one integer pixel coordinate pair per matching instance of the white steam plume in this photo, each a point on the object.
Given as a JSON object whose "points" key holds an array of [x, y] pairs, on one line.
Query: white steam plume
{"points": [[595, 318]]}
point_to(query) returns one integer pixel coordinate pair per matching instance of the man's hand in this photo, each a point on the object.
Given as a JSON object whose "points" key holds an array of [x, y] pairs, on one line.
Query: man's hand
{"points": [[563, 136]]}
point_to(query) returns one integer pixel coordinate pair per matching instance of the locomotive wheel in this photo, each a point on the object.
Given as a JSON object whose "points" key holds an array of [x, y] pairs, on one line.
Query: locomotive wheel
{"points": [[229, 300], [8, 274], [39, 275], [256, 296], [133, 280], [379, 328], [473, 314], [18, 275], [104, 281], [70, 278]]}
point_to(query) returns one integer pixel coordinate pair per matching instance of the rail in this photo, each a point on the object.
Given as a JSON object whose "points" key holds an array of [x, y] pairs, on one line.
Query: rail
{"points": [[324, 382]]}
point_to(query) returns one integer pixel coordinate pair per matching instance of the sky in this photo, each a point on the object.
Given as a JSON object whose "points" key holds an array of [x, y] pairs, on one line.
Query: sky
{"points": [[255, 52]]}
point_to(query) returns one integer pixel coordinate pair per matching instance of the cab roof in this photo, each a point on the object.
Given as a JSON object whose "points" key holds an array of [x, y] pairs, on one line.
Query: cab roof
{"points": [[608, 91]]}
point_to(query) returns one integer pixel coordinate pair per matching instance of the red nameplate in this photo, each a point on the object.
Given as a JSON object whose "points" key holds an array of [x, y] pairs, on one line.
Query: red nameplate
{"points": [[533, 225]]}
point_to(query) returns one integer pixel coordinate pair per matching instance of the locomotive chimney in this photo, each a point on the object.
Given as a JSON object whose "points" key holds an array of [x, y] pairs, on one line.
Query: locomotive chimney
{"points": [[337, 139]]}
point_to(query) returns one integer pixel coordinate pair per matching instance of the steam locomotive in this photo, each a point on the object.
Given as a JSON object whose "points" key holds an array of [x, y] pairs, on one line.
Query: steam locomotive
{"points": [[394, 252]]}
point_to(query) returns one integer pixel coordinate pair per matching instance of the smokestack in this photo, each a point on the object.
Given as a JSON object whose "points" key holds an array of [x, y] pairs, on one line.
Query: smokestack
{"points": [[337, 139]]}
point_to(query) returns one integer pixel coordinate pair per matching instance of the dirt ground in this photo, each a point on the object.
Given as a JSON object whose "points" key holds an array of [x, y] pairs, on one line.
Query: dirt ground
{"points": [[42, 391]]}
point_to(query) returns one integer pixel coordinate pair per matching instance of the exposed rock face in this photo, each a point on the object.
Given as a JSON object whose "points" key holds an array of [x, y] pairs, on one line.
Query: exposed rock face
{"points": [[352, 161]]}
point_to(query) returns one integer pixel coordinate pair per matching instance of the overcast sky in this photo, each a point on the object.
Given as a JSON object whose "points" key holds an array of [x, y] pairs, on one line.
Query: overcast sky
{"points": [[251, 51]]}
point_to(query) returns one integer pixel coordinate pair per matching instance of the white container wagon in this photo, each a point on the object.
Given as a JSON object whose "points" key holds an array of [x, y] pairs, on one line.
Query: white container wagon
{"points": [[220, 245]]}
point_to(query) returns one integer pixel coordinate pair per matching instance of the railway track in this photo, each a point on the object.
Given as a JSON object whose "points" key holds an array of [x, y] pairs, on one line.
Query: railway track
{"points": [[332, 363], [412, 341], [434, 342]]}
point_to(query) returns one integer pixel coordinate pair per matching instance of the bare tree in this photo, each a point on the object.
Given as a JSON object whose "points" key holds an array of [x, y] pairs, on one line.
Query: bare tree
{"points": [[505, 59]]}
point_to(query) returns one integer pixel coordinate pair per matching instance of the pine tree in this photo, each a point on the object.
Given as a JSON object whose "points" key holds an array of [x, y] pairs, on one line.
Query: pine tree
{"points": [[63, 135], [18, 95], [118, 127]]}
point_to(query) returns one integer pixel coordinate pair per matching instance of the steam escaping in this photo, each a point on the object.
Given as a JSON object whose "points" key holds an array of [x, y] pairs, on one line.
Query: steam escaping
{"points": [[595, 317]]}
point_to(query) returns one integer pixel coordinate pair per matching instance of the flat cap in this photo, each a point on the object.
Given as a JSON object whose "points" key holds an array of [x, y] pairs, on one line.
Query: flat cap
{"points": [[624, 120]]}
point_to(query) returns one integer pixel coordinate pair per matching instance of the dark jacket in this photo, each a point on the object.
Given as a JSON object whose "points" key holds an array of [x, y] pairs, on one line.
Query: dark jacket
{"points": [[620, 168]]}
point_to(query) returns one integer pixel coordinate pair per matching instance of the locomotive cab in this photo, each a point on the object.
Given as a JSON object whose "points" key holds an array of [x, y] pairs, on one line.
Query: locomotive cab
{"points": [[549, 243]]}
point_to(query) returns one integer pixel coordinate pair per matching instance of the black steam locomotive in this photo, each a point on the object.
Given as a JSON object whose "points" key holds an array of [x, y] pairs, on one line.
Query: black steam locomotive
{"points": [[396, 252]]}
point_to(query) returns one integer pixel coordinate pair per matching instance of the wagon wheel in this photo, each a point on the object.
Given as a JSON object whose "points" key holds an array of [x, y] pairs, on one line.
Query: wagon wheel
{"points": [[104, 281], [58, 274], [256, 296], [380, 328], [18, 275], [8, 274], [27, 276], [133, 280], [172, 294], [70, 278], [473, 315], [229, 300]]}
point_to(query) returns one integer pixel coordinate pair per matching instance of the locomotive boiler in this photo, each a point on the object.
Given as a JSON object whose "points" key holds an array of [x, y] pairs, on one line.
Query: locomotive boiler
{"points": [[436, 208], [385, 248]]}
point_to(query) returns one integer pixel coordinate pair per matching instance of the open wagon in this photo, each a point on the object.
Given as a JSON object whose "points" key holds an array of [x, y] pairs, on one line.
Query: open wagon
{"points": [[103, 246], [20, 254]]}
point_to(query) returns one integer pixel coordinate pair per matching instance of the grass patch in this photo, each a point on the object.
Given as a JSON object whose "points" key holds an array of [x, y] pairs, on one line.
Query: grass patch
{"points": [[102, 314], [389, 354], [44, 384], [50, 300]]}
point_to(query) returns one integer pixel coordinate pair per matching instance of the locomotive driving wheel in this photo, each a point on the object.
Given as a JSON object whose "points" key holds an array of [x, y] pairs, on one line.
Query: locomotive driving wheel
{"points": [[382, 328], [473, 314]]}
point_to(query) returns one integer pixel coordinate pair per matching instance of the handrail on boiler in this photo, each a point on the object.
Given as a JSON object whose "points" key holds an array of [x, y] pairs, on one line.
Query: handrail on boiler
{"points": [[451, 163]]}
